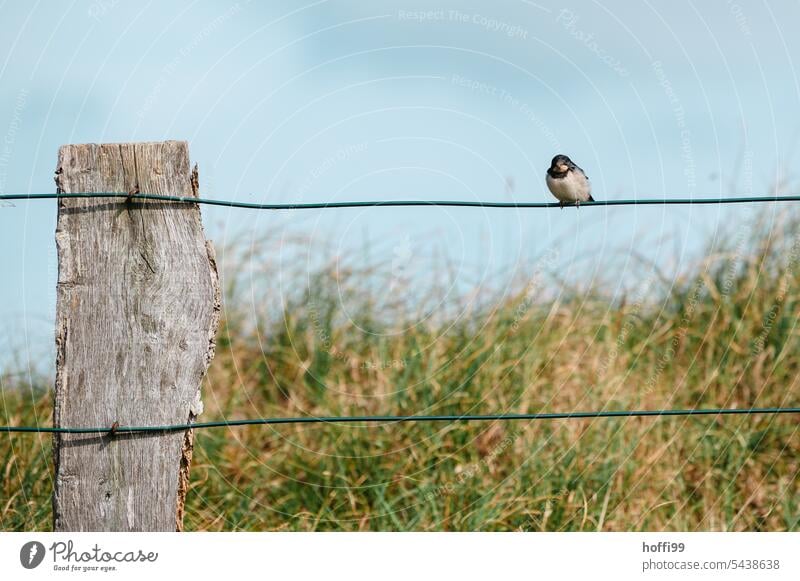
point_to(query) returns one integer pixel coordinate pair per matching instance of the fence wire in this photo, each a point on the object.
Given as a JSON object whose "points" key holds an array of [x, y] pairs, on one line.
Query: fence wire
{"points": [[394, 203], [116, 430]]}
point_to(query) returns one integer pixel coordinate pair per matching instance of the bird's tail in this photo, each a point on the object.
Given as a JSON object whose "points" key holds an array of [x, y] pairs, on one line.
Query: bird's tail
{"points": [[591, 199]]}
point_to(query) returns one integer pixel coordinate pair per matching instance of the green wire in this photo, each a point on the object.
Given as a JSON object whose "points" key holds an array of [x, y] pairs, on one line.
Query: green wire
{"points": [[453, 203], [402, 419]]}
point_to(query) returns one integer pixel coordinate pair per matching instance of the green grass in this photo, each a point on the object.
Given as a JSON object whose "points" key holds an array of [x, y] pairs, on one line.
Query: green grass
{"points": [[722, 334]]}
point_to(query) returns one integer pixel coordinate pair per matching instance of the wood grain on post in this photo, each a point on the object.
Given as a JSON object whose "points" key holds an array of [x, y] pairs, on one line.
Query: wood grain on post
{"points": [[136, 315]]}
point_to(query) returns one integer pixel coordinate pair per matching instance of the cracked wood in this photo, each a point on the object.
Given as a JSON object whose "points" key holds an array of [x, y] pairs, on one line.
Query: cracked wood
{"points": [[137, 310]]}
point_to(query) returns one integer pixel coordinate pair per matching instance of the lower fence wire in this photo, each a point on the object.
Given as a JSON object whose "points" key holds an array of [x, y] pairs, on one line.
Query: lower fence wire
{"points": [[116, 429]]}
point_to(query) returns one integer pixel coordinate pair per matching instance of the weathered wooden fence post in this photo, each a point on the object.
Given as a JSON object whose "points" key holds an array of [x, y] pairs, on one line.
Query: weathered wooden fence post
{"points": [[137, 312]]}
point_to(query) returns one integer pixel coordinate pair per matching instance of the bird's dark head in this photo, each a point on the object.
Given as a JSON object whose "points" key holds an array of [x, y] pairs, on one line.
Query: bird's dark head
{"points": [[560, 165]]}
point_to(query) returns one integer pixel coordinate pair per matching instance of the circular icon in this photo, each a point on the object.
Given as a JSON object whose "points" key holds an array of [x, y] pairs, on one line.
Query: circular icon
{"points": [[31, 554]]}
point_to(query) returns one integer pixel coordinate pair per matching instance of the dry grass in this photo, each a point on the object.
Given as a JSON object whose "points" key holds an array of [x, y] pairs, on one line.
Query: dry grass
{"points": [[724, 334]]}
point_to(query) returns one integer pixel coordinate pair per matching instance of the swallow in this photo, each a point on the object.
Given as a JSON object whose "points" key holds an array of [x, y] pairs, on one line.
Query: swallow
{"points": [[567, 182]]}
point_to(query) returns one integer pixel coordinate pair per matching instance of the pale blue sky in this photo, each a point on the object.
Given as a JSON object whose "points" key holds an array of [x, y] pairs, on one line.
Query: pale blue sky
{"points": [[336, 100]]}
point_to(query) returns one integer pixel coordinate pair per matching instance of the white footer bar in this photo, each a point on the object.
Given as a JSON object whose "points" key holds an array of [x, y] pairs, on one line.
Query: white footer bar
{"points": [[400, 556]]}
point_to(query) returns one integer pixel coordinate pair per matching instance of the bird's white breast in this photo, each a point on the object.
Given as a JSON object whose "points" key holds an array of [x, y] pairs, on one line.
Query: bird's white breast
{"points": [[573, 187]]}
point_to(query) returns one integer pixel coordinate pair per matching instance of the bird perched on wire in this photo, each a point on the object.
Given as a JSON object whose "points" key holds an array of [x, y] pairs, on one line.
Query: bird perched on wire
{"points": [[567, 182]]}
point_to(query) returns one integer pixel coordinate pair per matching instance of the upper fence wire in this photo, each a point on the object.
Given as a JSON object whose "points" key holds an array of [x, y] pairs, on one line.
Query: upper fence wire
{"points": [[393, 203]]}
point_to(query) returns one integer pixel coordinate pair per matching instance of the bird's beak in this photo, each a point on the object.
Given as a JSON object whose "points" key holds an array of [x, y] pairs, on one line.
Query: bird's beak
{"points": [[563, 167]]}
